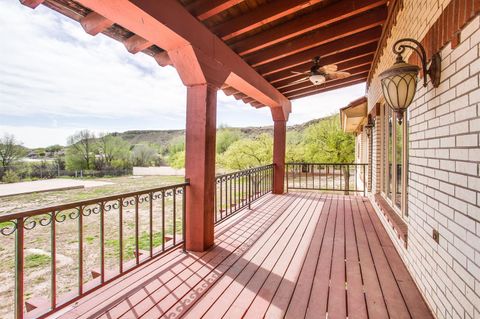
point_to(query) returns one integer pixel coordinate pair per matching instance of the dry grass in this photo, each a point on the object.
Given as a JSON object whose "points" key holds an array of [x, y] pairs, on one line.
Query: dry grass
{"points": [[38, 240]]}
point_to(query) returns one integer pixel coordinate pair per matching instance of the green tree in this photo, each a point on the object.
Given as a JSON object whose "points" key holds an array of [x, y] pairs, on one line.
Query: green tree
{"points": [[11, 151], [226, 137], [143, 155], [326, 142], [112, 150], [80, 152], [177, 160], [246, 153]]}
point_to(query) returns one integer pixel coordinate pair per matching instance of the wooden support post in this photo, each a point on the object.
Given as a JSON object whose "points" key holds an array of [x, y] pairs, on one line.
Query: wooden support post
{"points": [[200, 165], [279, 142]]}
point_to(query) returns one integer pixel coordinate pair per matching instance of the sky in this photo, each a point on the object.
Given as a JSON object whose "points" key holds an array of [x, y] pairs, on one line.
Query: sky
{"points": [[55, 79]]}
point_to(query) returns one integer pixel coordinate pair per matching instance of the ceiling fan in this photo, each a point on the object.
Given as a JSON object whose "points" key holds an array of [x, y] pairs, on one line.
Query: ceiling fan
{"points": [[320, 74]]}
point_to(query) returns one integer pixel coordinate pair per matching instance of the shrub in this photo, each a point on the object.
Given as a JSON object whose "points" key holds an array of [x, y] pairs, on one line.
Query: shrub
{"points": [[11, 177]]}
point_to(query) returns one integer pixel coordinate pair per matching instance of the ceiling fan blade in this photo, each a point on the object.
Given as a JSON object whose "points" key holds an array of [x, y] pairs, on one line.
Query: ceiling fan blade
{"points": [[338, 75], [295, 72], [300, 80], [329, 68]]}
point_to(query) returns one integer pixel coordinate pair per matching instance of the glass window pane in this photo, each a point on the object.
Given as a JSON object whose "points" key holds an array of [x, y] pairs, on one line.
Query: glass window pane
{"points": [[389, 155], [399, 162]]}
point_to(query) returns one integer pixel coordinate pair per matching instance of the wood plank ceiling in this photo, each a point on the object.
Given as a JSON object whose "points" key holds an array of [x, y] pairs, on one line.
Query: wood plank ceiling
{"points": [[277, 37]]}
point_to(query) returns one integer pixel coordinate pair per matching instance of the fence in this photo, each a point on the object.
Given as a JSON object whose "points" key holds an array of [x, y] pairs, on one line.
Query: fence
{"points": [[104, 237], [327, 177], [50, 171], [237, 190]]}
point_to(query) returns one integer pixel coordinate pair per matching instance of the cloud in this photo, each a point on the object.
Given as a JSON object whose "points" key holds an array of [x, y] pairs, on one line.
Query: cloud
{"points": [[56, 79]]}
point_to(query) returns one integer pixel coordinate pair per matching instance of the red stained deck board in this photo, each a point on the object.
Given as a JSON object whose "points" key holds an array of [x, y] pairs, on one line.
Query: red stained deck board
{"points": [[297, 283], [357, 308], [164, 296], [295, 255], [269, 279]]}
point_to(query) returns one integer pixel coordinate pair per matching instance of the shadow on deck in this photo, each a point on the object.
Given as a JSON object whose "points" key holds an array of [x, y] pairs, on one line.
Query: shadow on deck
{"points": [[303, 254]]}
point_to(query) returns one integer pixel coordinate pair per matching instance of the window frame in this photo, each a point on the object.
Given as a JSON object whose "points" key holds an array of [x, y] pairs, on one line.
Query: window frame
{"points": [[385, 113]]}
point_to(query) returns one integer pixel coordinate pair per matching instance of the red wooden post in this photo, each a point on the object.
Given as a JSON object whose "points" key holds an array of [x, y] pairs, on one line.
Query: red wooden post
{"points": [[200, 165], [279, 141]]}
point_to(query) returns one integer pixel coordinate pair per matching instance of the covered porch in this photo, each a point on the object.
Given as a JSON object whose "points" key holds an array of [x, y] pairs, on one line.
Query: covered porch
{"points": [[299, 255]]}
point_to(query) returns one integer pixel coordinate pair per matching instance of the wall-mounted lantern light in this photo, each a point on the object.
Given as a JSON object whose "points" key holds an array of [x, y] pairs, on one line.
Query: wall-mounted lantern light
{"points": [[369, 126], [399, 83]]}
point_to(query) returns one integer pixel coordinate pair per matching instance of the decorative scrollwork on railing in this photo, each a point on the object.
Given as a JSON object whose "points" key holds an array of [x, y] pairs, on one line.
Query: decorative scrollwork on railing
{"points": [[75, 213], [179, 191], [157, 195], [143, 198], [111, 205], [128, 202], [29, 223], [60, 216], [92, 210], [10, 229]]}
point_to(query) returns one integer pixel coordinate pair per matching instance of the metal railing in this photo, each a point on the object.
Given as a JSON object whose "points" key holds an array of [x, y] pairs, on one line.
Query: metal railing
{"points": [[327, 177], [237, 190], [102, 238]]}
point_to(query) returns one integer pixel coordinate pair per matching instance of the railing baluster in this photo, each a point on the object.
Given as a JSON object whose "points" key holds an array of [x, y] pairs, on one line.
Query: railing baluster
{"points": [[53, 260], [19, 269], [137, 250], [150, 211], [184, 203], [102, 242], [163, 220], [120, 234], [175, 215], [80, 250]]}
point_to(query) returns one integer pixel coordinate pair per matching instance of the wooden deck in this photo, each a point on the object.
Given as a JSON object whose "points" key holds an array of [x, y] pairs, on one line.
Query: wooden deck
{"points": [[300, 255]]}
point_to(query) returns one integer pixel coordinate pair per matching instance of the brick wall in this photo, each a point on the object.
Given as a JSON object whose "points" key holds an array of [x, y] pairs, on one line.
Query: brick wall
{"points": [[444, 163]]}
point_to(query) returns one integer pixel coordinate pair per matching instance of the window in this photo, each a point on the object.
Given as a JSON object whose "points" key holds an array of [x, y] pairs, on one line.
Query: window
{"points": [[394, 160]]}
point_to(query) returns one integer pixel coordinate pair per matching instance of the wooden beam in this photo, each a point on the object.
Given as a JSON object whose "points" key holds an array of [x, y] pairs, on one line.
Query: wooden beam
{"points": [[261, 15], [163, 59], [279, 147], [296, 95], [171, 27], [257, 104], [136, 43], [31, 3], [93, 23], [324, 50], [229, 90], [204, 9], [355, 72], [324, 35], [303, 24], [331, 59], [344, 66]]}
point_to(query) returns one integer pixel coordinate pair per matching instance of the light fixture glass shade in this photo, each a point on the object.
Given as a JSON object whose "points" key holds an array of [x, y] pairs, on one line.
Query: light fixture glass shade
{"points": [[399, 84], [317, 79]]}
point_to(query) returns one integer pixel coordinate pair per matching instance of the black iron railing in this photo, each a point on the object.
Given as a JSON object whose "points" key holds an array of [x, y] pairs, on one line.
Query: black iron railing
{"points": [[86, 244], [237, 190], [344, 178]]}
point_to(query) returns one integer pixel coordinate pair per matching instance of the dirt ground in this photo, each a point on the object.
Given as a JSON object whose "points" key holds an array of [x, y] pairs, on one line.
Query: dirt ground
{"points": [[38, 240]]}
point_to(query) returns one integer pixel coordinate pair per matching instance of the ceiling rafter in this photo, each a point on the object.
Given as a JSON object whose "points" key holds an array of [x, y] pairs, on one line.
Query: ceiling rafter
{"points": [[94, 23], [344, 44], [333, 13], [263, 14], [321, 36], [204, 9]]}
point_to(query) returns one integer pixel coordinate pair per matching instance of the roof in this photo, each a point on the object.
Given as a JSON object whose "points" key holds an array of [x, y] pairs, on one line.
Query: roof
{"points": [[354, 115], [278, 37]]}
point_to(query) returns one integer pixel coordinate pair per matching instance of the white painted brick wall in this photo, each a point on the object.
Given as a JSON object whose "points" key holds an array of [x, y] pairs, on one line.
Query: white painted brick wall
{"points": [[444, 173]]}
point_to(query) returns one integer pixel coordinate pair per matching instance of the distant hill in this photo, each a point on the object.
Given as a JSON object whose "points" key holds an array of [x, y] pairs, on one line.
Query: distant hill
{"points": [[163, 137]]}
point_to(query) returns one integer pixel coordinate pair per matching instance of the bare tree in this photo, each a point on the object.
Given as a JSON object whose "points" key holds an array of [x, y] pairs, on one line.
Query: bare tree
{"points": [[10, 150], [81, 145]]}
